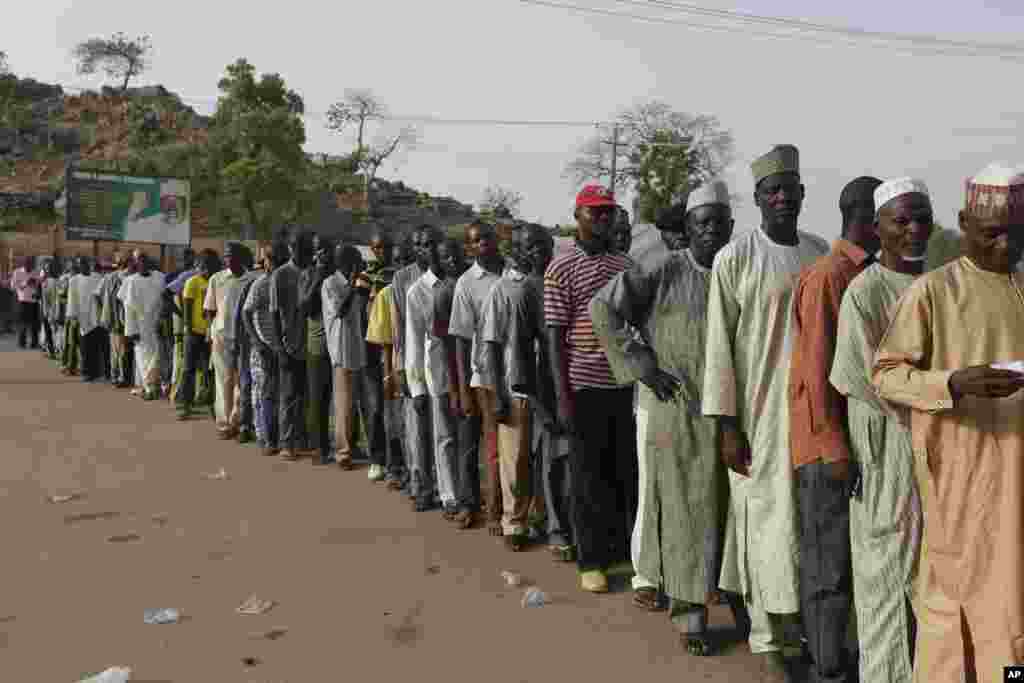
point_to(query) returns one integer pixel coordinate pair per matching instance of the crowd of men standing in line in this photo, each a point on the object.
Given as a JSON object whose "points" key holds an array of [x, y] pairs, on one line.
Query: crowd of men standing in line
{"points": [[801, 432]]}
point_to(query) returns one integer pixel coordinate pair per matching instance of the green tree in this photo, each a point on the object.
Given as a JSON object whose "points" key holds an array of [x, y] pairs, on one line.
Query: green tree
{"points": [[502, 202], [118, 56], [255, 148], [662, 154]]}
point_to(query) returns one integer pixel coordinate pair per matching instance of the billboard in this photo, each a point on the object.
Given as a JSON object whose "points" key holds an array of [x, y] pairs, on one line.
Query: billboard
{"points": [[108, 206]]}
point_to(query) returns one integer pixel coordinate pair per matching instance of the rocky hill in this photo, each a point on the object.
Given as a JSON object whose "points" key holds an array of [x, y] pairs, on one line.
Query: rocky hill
{"points": [[101, 128]]}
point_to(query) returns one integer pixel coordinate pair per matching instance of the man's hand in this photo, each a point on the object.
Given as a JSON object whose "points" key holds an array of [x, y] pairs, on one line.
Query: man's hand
{"points": [[468, 405], [502, 407], [566, 417], [391, 387], [838, 471], [735, 449], [664, 385], [985, 381]]}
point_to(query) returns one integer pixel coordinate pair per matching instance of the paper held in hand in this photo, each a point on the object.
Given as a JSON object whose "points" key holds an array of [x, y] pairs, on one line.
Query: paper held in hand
{"points": [[1014, 365]]}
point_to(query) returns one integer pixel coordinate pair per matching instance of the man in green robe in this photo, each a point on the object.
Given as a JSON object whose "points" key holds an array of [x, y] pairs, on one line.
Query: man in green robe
{"points": [[676, 543], [885, 514]]}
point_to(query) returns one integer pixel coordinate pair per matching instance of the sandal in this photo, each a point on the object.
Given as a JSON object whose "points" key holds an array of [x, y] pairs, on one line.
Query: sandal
{"points": [[494, 529], [648, 599], [697, 644], [563, 553], [515, 542], [465, 519], [345, 464]]}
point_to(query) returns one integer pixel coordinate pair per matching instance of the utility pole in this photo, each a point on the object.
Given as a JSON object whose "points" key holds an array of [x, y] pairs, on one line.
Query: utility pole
{"points": [[615, 155]]}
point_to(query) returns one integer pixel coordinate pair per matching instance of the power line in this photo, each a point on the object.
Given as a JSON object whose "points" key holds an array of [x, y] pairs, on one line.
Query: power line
{"points": [[851, 32], [723, 28]]}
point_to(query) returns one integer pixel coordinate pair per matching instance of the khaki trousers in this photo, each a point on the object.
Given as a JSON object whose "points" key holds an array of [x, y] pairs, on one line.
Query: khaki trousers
{"points": [[489, 452], [226, 398], [515, 440], [344, 385]]}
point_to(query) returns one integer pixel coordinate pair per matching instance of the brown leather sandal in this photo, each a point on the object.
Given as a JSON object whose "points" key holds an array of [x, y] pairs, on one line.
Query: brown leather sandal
{"points": [[648, 599]]}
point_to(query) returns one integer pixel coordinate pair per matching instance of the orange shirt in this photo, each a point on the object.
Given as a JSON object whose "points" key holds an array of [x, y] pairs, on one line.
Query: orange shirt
{"points": [[817, 412]]}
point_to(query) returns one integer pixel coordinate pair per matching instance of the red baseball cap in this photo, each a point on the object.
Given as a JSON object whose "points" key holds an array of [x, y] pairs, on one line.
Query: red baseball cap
{"points": [[595, 195]]}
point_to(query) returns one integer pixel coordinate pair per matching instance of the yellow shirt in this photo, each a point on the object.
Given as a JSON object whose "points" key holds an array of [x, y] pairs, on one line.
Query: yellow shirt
{"points": [[195, 291], [379, 330]]}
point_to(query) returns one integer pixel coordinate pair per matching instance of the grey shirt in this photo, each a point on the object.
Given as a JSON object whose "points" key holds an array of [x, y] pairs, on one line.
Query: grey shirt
{"points": [[288, 315], [400, 289], [471, 292], [343, 321], [513, 317]]}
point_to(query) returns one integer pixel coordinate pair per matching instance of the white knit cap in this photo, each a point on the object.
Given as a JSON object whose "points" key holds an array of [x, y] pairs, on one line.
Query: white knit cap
{"points": [[897, 187], [711, 192]]}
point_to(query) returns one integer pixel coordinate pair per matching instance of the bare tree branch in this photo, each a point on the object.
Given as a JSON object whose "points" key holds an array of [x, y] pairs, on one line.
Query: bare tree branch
{"points": [[119, 56], [501, 201]]}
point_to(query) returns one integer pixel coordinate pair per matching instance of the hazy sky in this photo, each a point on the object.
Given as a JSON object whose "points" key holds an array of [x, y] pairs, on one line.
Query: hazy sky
{"points": [[850, 110]]}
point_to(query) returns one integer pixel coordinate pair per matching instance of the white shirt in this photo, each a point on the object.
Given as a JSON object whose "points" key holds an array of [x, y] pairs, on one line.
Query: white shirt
{"points": [[426, 362], [81, 302]]}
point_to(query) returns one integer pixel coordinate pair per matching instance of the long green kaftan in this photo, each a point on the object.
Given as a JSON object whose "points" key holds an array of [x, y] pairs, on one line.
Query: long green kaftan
{"points": [[680, 498], [746, 375], [885, 520]]}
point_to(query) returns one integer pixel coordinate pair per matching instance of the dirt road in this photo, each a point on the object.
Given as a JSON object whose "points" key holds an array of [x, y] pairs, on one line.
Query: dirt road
{"points": [[365, 588]]}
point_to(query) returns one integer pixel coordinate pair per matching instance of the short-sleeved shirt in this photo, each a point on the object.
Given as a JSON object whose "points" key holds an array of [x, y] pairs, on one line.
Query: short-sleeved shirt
{"points": [[195, 291], [284, 304], [218, 295], [570, 282], [471, 291], [343, 323], [513, 317], [257, 306], [426, 360], [379, 330]]}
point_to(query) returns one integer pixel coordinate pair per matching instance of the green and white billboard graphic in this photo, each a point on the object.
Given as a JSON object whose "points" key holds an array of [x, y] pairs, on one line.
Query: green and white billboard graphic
{"points": [[107, 206]]}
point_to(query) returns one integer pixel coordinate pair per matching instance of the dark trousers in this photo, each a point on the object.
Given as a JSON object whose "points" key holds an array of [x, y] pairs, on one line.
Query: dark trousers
{"points": [[92, 354], [128, 362], [51, 347], [370, 404], [103, 349], [28, 323], [825, 573], [320, 390], [245, 411], [603, 473], [467, 462], [292, 401], [394, 434], [197, 359]]}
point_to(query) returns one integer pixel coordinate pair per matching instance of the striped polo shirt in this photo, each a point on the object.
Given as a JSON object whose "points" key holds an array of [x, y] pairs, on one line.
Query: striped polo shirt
{"points": [[570, 282]]}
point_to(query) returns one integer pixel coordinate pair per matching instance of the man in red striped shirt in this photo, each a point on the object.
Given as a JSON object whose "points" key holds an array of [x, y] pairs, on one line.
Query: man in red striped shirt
{"points": [[592, 407]]}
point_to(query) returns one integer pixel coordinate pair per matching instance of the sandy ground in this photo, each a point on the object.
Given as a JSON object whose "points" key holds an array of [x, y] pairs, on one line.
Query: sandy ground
{"points": [[365, 588]]}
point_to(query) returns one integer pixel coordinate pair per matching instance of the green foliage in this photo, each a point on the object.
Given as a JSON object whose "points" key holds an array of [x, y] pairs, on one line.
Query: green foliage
{"points": [[663, 172]]}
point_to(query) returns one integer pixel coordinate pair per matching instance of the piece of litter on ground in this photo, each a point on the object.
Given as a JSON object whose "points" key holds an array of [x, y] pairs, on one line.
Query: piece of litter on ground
{"points": [[534, 597], [250, 661], [513, 579], [255, 605], [124, 538], [1014, 365], [272, 634], [433, 569], [166, 615], [116, 674], [160, 520], [90, 517], [223, 474], [65, 499]]}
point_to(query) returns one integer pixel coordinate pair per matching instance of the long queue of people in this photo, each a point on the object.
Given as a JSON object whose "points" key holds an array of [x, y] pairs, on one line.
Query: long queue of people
{"points": [[806, 434]]}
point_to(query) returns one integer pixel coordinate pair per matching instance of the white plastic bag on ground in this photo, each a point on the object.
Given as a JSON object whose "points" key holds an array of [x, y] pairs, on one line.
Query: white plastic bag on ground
{"points": [[117, 674]]}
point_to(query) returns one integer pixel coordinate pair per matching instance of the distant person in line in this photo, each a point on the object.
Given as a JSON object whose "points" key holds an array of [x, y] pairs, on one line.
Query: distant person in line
{"points": [[591, 406], [266, 349], [940, 357], [141, 295], [48, 308], [885, 511], [82, 308], [169, 326], [221, 288], [671, 223], [680, 525], [25, 284], [319, 373], [172, 299], [476, 389], [451, 258], [241, 345], [513, 328], [69, 353], [622, 238], [343, 320], [290, 324], [746, 375], [818, 441], [195, 331], [427, 383]]}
